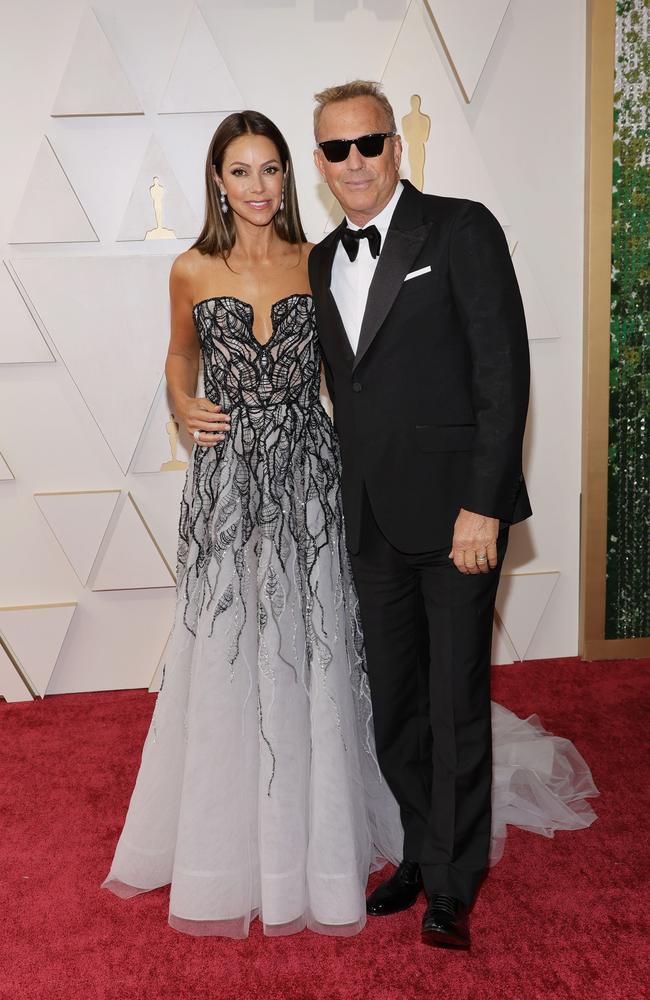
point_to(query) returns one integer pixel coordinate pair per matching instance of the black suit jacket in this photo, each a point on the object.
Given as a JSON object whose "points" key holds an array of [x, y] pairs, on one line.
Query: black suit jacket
{"points": [[431, 411]]}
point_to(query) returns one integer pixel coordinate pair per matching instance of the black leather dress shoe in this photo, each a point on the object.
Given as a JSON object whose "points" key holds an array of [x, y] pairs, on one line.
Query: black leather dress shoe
{"points": [[446, 923], [398, 892]]}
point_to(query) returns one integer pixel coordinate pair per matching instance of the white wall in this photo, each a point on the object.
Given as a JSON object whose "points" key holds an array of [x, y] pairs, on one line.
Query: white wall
{"points": [[86, 594]]}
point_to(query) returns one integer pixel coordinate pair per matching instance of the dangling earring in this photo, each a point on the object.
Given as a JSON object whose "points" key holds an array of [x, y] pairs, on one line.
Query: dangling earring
{"points": [[282, 200], [224, 203]]}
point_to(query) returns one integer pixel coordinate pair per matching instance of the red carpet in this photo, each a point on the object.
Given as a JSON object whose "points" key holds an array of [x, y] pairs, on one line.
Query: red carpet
{"points": [[562, 918]]}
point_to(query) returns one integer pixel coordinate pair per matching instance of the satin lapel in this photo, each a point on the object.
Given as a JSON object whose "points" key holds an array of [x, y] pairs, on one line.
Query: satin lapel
{"points": [[395, 260], [332, 329]]}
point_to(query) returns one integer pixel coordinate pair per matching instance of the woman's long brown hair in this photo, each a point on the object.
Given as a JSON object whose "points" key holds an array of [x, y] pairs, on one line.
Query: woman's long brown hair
{"points": [[218, 234]]}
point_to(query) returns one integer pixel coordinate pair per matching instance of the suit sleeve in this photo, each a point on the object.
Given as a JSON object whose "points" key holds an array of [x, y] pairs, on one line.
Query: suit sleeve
{"points": [[489, 304]]}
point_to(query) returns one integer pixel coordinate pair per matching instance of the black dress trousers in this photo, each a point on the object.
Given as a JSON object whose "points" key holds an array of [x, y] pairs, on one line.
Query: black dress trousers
{"points": [[428, 631]]}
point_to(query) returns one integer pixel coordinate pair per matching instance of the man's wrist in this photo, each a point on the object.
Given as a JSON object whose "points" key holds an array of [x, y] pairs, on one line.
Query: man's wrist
{"points": [[476, 513]]}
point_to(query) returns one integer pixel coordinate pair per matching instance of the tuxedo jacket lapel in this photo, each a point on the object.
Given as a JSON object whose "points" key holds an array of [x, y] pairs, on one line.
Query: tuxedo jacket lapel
{"points": [[404, 240]]}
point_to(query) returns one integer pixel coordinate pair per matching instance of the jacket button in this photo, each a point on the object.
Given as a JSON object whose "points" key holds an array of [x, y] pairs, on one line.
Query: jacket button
{"points": [[356, 387]]}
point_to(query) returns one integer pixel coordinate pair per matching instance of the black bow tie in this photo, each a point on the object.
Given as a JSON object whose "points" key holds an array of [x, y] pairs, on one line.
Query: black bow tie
{"points": [[350, 239]]}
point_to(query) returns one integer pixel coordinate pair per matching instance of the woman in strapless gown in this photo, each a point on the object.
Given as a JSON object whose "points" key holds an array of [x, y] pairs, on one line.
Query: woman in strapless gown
{"points": [[259, 793]]}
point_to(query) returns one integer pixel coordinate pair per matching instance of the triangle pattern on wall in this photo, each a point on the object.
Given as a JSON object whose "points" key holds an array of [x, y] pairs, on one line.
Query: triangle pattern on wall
{"points": [[178, 220], [521, 602], [50, 211], [132, 559], [539, 321], [503, 650], [12, 686], [116, 642], [158, 498], [156, 680], [5, 472], [21, 341], [162, 447], [200, 81], [335, 214], [456, 167], [467, 31], [78, 521], [34, 635], [107, 341], [94, 82]]}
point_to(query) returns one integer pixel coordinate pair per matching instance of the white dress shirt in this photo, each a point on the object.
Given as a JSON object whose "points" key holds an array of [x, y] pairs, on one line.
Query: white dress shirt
{"points": [[351, 278]]}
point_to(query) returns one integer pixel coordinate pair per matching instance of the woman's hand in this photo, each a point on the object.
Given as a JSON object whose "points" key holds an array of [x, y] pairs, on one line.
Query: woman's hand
{"points": [[209, 419]]}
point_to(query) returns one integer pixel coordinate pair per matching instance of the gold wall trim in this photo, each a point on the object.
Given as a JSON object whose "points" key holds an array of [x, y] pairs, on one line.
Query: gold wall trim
{"points": [[601, 41], [616, 649], [72, 493], [33, 607]]}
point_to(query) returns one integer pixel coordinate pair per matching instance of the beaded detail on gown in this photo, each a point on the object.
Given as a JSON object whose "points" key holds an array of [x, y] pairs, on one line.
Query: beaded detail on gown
{"points": [[258, 792]]}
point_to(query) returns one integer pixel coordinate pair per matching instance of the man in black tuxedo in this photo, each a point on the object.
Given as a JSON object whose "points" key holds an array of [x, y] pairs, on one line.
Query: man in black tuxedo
{"points": [[426, 360]]}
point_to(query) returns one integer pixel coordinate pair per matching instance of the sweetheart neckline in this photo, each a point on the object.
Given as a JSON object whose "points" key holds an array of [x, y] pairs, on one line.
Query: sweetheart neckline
{"points": [[251, 308]]}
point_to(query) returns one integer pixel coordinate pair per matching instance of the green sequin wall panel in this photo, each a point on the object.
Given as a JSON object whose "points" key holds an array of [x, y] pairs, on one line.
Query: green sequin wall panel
{"points": [[628, 501]]}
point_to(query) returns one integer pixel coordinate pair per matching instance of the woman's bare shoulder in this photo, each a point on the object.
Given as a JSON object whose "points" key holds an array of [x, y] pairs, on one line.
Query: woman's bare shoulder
{"points": [[192, 269], [188, 264]]}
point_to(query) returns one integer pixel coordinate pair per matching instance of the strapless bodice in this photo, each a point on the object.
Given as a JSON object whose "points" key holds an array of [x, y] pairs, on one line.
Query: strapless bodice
{"points": [[240, 372]]}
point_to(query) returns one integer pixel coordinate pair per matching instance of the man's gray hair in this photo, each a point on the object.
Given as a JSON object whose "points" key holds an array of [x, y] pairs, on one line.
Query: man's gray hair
{"points": [[346, 91]]}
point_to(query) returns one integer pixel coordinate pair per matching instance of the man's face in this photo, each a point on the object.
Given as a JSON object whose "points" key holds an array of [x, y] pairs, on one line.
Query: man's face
{"points": [[362, 185]]}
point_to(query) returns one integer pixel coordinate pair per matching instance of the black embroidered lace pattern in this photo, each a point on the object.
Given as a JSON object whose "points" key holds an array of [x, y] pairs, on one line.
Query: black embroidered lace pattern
{"points": [[265, 503]]}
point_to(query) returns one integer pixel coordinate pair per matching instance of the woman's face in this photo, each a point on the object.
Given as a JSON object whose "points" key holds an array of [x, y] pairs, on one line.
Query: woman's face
{"points": [[252, 176]]}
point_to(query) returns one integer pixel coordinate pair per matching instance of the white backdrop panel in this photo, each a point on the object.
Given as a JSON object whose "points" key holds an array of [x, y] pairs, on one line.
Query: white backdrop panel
{"points": [[113, 345], [521, 603], [50, 211], [35, 636], [115, 641], [79, 522], [454, 166], [540, 322], [5, 472], [54, 442], [158, 498], [200, 79], [517, 146], [12, 686], [130, 558], [469, 28], [20, 338], [177, 215], [94, 83], [162, 447]]}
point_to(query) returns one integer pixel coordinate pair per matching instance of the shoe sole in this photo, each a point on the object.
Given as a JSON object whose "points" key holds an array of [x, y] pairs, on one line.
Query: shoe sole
{"points": [[438, 940], [389, 913]]}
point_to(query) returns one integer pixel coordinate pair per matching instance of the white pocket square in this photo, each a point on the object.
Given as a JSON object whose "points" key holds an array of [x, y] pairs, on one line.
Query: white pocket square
{"points": [[416, 274]]}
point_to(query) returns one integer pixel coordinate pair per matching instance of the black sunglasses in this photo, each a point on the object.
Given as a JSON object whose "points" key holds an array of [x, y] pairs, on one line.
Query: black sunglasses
{"points": [[337, 150]]}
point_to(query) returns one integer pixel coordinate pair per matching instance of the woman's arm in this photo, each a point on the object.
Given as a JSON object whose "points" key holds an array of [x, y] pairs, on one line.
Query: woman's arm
{"points": [[182, 365]]}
